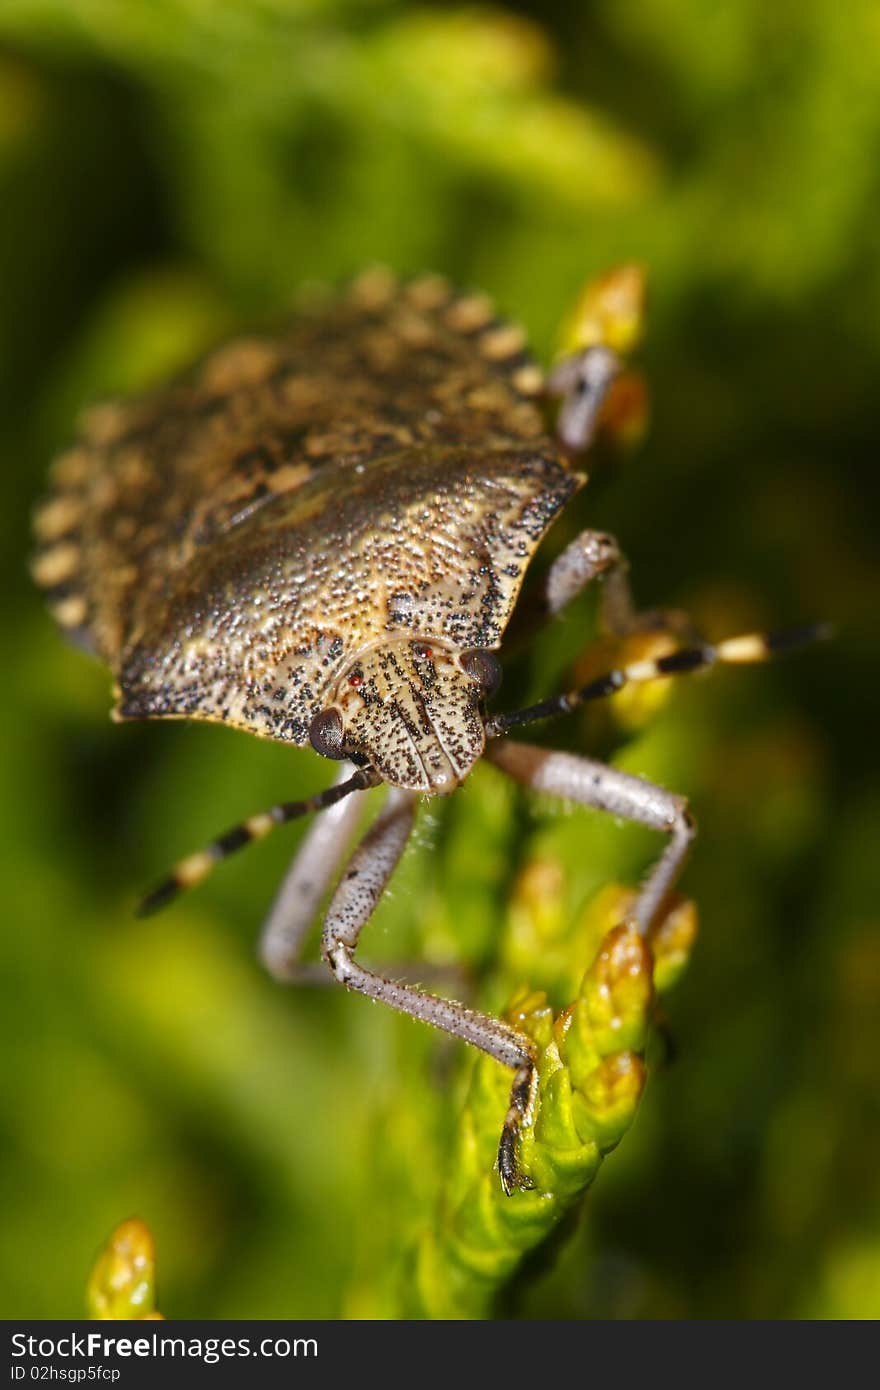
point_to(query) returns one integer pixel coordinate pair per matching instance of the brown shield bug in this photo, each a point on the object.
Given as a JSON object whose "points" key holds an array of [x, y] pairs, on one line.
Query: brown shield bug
{"points": [[319, 536]]}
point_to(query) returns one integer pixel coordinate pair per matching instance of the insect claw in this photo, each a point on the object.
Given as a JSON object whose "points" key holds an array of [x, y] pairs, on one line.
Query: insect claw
{"points": [[522, 1100], [513, 1179]]}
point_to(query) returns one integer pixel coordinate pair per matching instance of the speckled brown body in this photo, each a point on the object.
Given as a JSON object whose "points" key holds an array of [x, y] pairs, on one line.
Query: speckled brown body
{"points": [[379, 471], [320, 536]]}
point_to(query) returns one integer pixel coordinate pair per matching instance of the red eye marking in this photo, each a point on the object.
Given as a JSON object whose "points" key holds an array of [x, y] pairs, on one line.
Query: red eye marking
{"points": [[355, 678], [423, 650]]}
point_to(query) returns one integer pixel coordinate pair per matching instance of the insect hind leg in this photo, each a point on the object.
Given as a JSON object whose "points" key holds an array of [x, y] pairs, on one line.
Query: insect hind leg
{"points": [[351, 907], [581, 383]]}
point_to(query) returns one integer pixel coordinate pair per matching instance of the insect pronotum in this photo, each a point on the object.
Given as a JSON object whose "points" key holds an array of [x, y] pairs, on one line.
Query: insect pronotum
{"points": [[320, 536]]}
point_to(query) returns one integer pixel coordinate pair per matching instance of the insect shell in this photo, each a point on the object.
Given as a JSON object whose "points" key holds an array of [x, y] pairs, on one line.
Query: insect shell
{"points": [[316, 535]]}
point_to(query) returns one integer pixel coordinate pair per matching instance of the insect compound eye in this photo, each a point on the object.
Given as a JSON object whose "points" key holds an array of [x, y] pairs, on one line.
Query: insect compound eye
{"points": [[484, 668], [325, 734]]}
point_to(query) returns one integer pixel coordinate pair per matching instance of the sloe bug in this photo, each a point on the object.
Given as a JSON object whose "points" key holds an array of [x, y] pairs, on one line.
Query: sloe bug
{"points": [[320, 536]]}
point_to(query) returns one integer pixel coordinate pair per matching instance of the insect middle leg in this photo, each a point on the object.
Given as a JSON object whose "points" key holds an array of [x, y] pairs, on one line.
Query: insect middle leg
{"points": [[351, 907], [595, 555], [591, 556], [606, 789]]}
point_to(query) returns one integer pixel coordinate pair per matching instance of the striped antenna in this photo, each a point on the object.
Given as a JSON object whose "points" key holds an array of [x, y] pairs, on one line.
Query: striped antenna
{"points": [[195, 868], [734, 651]]}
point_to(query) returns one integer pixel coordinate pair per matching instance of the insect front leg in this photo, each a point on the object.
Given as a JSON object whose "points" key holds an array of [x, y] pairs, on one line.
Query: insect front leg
{"points": [[299, 897], [606, 789], [351, 907]]}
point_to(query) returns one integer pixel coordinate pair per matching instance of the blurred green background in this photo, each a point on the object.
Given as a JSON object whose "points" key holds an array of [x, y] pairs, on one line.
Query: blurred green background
{"points": [[170, 168]]}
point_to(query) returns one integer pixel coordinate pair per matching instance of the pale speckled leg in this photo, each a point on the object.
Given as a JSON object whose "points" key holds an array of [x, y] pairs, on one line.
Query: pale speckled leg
{"points": [[581, 382], [595, 555], [606, 789], [351, 906], [298, 899], [591, 555]]}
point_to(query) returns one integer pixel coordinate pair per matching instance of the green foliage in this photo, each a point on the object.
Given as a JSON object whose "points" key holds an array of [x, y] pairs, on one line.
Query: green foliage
{"points": [[171, 168], [122, 1283], [591, 1077]]}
